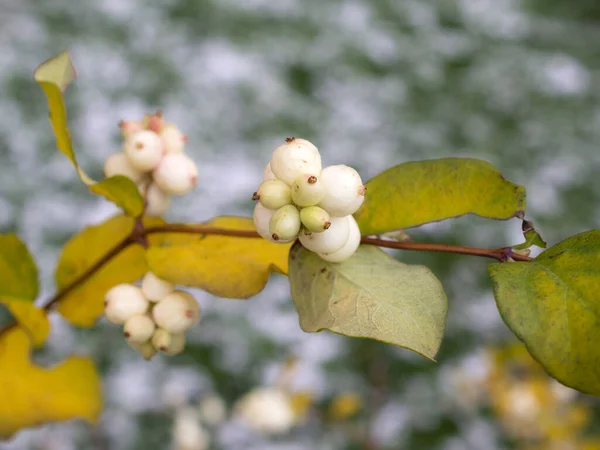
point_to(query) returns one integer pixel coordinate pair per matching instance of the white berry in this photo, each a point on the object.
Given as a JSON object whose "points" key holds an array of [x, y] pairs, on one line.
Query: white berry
{"points": [[118, 164], [307, 190], [176, 346], [146, 349], [284, 225], [173, 139], [266, 410], [315, 219], [176, 174], [144, 150], [295, 157], [161, 339], [273, 194], [154, 288], [349, 248], [262, 219], [268, 173], [177, 312], [344, 191], [139, 329], [157, 201], [328, 241], [124, 301], [213, 410]]}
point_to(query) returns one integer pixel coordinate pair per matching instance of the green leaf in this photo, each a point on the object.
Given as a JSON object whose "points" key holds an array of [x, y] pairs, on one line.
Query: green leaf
{"points": [[553, 305], [54, 76], [371, 295], [416, 193], [19, 287], [226, 266], [532, 237]]}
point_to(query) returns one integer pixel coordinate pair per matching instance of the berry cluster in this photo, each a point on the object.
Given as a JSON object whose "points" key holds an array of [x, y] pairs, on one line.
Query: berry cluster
{"points": [[154, 316], [153, 158], [299, 199]]}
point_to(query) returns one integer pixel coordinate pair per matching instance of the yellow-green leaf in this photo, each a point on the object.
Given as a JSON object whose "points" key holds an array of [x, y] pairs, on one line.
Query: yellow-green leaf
{"points": [[371, 295], [553, 305], [532, 237], [54, 76], [19, 287], [416, 193], [226, 266], [84, 304], [33, 395]]}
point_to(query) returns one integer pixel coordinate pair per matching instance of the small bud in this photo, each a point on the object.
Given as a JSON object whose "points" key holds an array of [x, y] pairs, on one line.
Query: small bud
{"points": [[349, 248], [139, 329], [161, 339], [157, 201], [119, 164], [154, 288], [155, 122], [144, 150], [295, 157], [523, 252], [273, 194], [124, 301], [173, 139], [330, 240], [176, 174], [284, 225], [315, 219], [307, 190], [177, 312]]}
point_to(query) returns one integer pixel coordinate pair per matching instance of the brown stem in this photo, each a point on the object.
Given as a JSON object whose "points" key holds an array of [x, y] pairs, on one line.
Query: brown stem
{"points": [[501, 254], [114, 251], [199, 229]]}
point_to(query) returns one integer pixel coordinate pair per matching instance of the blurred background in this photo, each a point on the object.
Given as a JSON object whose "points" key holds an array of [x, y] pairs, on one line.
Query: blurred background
{"points": [[372, 83]]}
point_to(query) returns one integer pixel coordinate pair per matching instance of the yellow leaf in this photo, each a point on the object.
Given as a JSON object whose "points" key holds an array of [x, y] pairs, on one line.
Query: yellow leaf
{"points": [[32, 395], [54, 76], [84, 304], [230, 267], [19, 287]]}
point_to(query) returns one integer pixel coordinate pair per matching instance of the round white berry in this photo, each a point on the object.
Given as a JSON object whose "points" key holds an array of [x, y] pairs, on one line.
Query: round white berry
{"points": [[176, 174], [213, 410], [154, 288], [188, 433], [161, 339], [266, 410], [349, 248], [268, 173], [315, 219], [262, 219], [139, 329], [118, 164], [146, 349], [328, 241], [157, 201], [130, 127], [176, 346], [295, 157], [344, 191], [307, 190], [177, 312], [144, 150], [173, 139], [284, 225], [273, 194], [124, 301]]}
